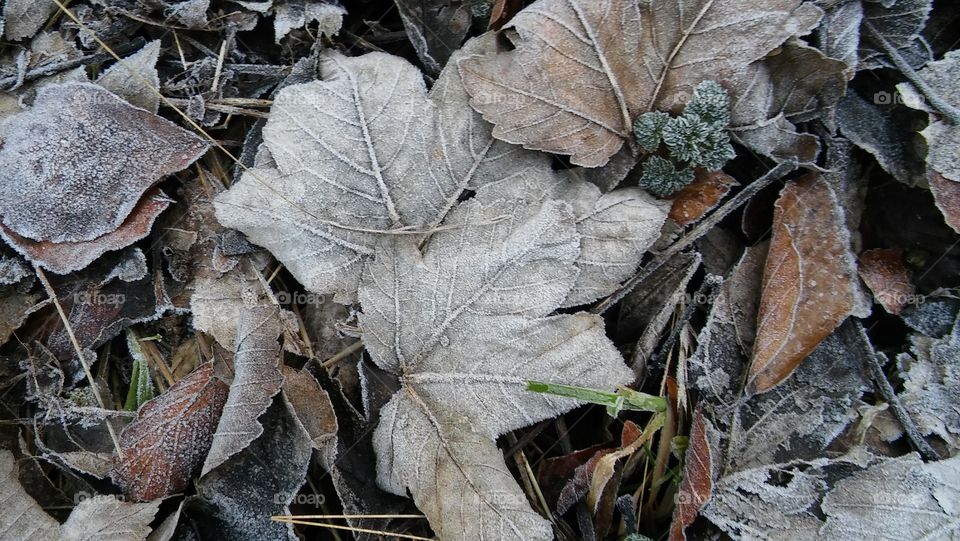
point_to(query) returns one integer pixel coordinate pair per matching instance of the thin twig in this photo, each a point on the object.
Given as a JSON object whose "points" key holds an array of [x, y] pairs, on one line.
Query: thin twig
{"points": [[351, 529], [949, 111], [700, 230], [83, 361], [343, 354], [871, 361]]}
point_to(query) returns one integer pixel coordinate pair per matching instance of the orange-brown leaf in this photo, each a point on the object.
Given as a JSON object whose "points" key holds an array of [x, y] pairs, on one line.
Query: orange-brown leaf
{"points": [[946, 193], [809, 281], [170, 437], [887, 276], [697, 484], [701, 195]]}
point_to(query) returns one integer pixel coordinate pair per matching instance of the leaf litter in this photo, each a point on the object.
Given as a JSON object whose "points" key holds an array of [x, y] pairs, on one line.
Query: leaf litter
{"points": [[427, 217]]}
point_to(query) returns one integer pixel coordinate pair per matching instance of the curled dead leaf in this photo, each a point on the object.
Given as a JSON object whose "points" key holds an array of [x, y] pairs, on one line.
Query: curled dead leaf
{"points": [[886, 274], [701, 195]]}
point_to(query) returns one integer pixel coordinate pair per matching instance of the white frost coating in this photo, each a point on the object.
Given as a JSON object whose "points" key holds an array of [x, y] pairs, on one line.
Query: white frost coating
{"points": [[74, 166], [464, 326]]}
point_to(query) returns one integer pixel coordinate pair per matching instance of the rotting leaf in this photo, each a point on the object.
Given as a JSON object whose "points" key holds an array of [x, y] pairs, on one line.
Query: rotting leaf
{"points": [[103, 146], [809, 282], [170, 437], [700, 196], [463, 345], [886, 274], [257, 378], [583, 70], [435, 28]]}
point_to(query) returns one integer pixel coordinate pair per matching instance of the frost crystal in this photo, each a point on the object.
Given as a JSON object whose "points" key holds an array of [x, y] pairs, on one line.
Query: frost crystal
{"points": [[648, 129]]}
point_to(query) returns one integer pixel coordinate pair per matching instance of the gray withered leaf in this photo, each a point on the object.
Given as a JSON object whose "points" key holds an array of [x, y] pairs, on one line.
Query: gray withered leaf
{"points": [[135, 77], [75, 165], [22, 18], [931, 386], [366, 153], [943, 138], [463, 325], [768, 97], [900, 22], [292, 14], [21, 517], [582, 70], [257, 378], [897, 498]]}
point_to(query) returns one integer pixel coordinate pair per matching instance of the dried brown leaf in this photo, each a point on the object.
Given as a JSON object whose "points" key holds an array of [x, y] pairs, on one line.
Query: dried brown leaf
{"points": [[701, 195], [582, 70], [809, 282], [946, 194], [20, 516], [312, 408], [886, 274], [698, 474], [170, 437]]}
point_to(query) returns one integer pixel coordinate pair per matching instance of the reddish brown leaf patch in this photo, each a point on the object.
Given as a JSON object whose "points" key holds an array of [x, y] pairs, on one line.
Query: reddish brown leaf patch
{"points": [[66, 257], [170, 437], [887, 276], [697, 484], [701, 195], [809, 281], [946, 193]]}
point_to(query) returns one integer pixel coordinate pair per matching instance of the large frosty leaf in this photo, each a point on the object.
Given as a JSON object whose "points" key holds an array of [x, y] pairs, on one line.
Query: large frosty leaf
{"points": [[74, 166], [366, 154], [768, 97], [583, 70], [810, 281], [932, 385], [942, 137], [896, 499], [256, 380], [463, 326]]}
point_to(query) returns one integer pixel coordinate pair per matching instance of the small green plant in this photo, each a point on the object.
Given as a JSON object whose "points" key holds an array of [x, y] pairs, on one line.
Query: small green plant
{"points": [[141, 386], [622, 399], [696, 138]]}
